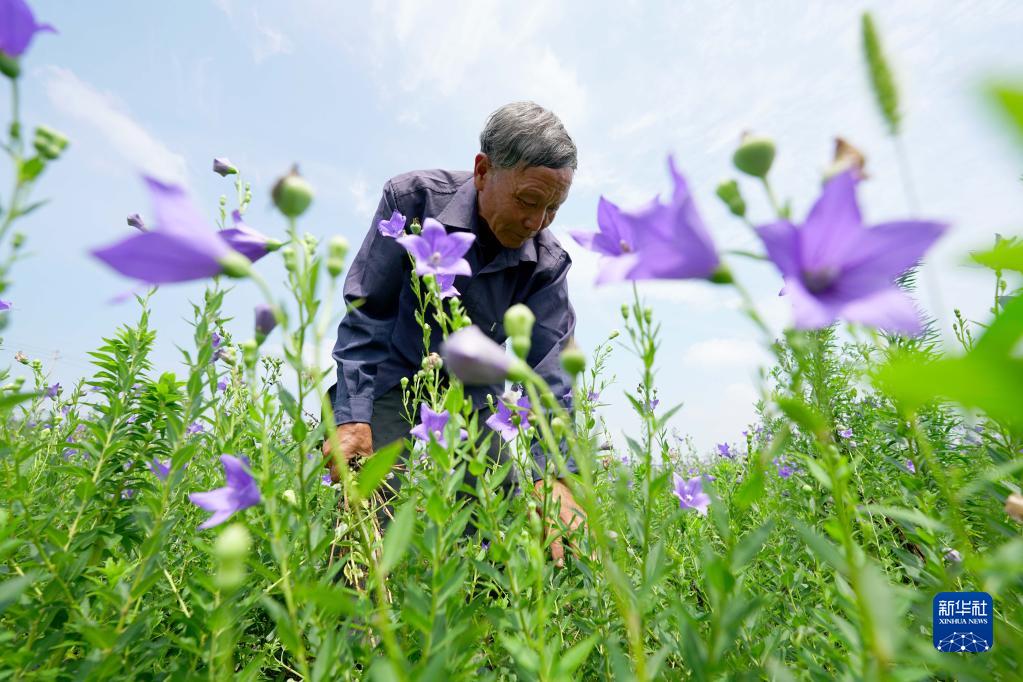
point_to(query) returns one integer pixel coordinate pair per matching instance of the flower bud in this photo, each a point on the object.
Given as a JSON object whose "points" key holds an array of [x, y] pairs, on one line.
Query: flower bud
{"points": [[520, 346], [18, 240], [233, 543], [234, 264], [49, 143], [573, 360], [335, 266], [21, 357], [721, 276], [754, 155], [266, 320], [292, 194], [518, 321], [337, 247], [847, 157], [432, 361], [648, 314], [290, 259], [404, 383], [250, 352], [728, 192], [625, 311], [289, 497], [223, 167], [614, 335], [135, 220]]}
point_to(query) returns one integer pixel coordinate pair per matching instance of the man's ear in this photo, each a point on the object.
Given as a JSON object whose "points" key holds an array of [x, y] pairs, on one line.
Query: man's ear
{"points": [[481, 171]]}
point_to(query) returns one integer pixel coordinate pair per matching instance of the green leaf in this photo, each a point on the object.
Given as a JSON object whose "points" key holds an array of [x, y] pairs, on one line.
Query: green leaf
{"points": [[750, 545], [910, 516], [1007, 254], [11, 399], [802, 414], [822, 548], [11, 590], [376, 467], [575, 657], [1008, 98], [29, 170], [399, 534]]}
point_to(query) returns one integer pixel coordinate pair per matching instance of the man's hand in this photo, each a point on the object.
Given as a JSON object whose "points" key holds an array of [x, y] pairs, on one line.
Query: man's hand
{"points": [[570, 513], [355, 440]]}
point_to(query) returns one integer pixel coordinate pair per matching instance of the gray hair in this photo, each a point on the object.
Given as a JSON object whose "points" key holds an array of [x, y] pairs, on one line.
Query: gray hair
{"points": [[526, 133]]}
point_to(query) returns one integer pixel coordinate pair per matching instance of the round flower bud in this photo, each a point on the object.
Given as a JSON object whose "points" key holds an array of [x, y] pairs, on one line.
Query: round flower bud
{"points": [[235, 265], [728, 192], [289, 497], [518, 321], [721, 276], [18, 240], [9, 66], [290, 259], [223, 167], [335, 266], [337, 247], [250, 352], [292, 194], [21, 357], [520, 346], [573, 360], [404, 383], [625, 311], [233, 543], [754, 155], [614, 335], [432, 361]]}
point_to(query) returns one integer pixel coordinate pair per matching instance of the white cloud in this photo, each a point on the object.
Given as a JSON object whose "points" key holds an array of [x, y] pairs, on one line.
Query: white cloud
{"points": [[265, 39], [365, 200], [725, 352], [107, 115]]}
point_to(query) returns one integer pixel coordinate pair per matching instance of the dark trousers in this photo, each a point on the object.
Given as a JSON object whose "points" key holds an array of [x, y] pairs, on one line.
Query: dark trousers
{"points": [[388, 424]]}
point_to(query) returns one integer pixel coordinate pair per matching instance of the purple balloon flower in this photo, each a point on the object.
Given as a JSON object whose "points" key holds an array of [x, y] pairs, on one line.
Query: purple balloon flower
{"points": [[393, 228], [221, 385], [690, 493], [135, 220], [433, 423], [4, 305], [52, 391], [834, 267], [474, 358], [180, 249], [506, 422], [846, 433], [17, 27], [447, 286], [437, 252], [223, 167], [658, 241], [725, 450], [160, 469], [910, 467], [195, 427], [265, 321], [241, 492], [248, 242]]}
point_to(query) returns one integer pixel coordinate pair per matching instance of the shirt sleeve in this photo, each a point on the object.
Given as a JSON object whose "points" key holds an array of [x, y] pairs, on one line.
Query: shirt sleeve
{"points": [[371, 291], [552, 331]]}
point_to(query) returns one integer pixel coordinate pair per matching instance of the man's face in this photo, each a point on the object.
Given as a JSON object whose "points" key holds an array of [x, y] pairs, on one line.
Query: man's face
{"points": [[519, 202]]}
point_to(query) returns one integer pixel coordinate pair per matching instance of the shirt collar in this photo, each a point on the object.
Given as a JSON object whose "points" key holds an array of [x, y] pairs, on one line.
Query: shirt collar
{"points": [[460, 213]]}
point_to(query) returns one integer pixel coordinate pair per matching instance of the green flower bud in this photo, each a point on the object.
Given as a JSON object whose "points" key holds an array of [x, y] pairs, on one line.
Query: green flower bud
{"points": [[416, 227], [235, 265], [9, 66], [404, 383], [18, 240], [806, 488], [520, 346], [290, 258], [625, 311], [292, 194], [21, 357], [48, 142], [337, 247], [614, 335], [19, 382], [289, 497], [648, 314], [728, 192], [37, 365], [233, 543], [754, 155], [432, 361], [559, 425], [518, 321], [335, 266], [573, 360], [250, 352]]}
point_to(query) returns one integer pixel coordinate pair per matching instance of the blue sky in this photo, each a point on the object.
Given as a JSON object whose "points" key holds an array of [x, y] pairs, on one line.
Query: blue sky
{"points": [[358, 92]]}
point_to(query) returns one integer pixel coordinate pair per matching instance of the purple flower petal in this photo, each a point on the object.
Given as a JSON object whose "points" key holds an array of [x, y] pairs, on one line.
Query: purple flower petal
{"points": [[394, 227], [245, 240], [240, 493], [474, 358], [17, 27]]}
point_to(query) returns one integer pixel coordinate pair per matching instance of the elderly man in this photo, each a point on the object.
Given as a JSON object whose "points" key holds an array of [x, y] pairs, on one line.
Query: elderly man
{"points": [[520, 178]]}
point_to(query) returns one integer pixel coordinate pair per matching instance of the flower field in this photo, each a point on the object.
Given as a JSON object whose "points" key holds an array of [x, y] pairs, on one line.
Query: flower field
{"points": [[182, 523]]}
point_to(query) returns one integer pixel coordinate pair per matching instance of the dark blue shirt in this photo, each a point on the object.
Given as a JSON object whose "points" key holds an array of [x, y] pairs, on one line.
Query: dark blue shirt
{"points": [[379, 340]]}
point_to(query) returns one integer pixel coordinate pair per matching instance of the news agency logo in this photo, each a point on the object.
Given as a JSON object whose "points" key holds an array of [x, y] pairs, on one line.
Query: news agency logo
{"points": [[963, 622]]}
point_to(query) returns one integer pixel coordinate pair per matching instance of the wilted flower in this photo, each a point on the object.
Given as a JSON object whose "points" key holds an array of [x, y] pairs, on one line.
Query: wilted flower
{"points": [[223, 167], [17, 27], [265, 321], [690, 493], [437, 252], [241, 492], [433, 423], [952, 555], [834, 267], [475, 359], [180, 249], [506, 422], [21, 357], [393, 228], [658, 241], [250, 243], [135, 220]]}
